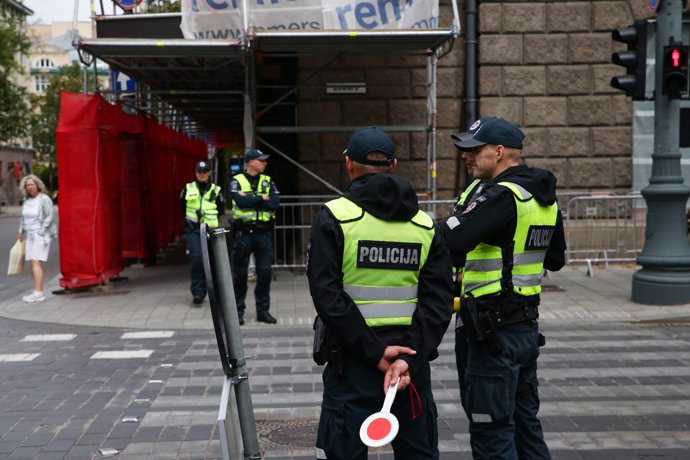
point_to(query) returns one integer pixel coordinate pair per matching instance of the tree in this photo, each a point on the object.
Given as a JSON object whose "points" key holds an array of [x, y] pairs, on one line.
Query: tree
{"points": [[15, 114], [164, 6]]}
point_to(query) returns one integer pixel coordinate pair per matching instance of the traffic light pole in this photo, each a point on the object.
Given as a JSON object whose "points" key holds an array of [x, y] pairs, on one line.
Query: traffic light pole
{"points": [[665, 259]]}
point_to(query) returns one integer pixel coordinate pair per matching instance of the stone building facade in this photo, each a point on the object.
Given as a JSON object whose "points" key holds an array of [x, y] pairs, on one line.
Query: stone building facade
{"points": [[543, 65]]}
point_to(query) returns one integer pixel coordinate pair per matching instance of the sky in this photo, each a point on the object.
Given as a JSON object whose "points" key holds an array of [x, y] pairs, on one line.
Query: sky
{"points": [[62, 10]]}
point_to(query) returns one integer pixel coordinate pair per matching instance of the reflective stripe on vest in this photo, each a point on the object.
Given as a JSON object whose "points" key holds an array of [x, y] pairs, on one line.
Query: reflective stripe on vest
{"points": [[461, 203], [252, 215], [381, 276], [206, 204], [466, 194], [483, 271]]}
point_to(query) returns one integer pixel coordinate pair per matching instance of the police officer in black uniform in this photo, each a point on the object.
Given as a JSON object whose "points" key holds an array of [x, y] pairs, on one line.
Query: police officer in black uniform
{"points": [[504, 239], [201, 202], [255, 199], [380, 278]]}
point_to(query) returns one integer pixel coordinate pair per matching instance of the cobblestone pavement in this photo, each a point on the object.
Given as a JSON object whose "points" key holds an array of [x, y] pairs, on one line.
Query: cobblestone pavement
{"points": [[615, 391], [133, 373]]}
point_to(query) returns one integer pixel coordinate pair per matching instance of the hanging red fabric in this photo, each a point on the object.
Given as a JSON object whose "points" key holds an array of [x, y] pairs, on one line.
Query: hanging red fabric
{"points": [[119, 190]]}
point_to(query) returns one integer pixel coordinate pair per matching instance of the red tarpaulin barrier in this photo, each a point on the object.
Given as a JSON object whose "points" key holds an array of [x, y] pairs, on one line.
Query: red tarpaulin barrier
{"points": [[120, 180], [137, 234], [88, 161]]}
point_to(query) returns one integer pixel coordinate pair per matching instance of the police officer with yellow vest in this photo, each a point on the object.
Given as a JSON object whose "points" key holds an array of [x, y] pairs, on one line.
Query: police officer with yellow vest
{"points": [[466, 198], [504, 239], [202, 202], [255, 199], [380, 278]]}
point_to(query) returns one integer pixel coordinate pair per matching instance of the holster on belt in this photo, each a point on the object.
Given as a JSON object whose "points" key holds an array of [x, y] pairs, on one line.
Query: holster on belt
{"points": [[326, 349], [470, 319], [480, 325]]}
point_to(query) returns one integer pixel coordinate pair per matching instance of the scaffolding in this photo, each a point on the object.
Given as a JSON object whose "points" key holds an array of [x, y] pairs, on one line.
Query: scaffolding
{"points": [[206, 86]]}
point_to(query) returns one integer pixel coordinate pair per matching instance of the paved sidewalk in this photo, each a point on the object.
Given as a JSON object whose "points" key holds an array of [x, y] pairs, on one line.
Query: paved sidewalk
{"points": [[158, 297]]}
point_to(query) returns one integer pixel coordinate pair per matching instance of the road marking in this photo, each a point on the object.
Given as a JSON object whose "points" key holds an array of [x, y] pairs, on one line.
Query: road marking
{"points": [[148, 335], [49, 338], [124, 354], [18, 357]]}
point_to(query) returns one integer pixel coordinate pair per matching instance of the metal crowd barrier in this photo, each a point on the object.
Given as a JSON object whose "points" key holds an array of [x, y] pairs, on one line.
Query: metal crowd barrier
{"points": [[294, 218], [604, 228], [600, 227]]}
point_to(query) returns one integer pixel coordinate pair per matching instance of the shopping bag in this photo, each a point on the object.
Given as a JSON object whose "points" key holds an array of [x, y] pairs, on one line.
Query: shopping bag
{"points": [[16, 263]]}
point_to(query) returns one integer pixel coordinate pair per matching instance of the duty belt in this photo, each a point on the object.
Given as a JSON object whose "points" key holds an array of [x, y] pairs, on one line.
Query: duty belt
{"points": [[252, 225], [529, 311]]}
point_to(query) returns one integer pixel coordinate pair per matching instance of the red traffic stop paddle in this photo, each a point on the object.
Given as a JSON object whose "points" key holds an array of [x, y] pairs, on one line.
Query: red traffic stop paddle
{"points": [[381, 428]]}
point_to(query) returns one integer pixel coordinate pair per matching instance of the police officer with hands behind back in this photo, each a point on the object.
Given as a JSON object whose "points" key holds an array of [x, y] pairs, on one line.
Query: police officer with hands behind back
{"points": [[504, 239], [255, 199], [202, 202], [379, 275]]}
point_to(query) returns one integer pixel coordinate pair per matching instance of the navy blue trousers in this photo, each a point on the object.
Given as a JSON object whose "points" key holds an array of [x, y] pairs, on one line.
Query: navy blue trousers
{"points": [[352, 397], [461, 351], [502, 401], [196, 268], [246, 242]]}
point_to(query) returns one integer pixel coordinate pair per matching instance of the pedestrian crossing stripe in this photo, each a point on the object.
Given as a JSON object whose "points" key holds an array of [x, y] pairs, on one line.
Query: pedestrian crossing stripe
{"points": [[18, 357], [49, 338], [148, 335], [122, 354]]}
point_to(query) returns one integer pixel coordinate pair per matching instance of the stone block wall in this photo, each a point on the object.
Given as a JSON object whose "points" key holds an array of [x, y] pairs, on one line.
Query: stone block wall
{"points": [[543, 65], [546, 66]]}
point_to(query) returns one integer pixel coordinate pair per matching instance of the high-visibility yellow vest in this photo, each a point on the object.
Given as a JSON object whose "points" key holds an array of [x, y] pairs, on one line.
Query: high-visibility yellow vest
{"points": [[467, 193], [252, 215], [462, 201], [206, 203], [381, 262], [536, 224]]}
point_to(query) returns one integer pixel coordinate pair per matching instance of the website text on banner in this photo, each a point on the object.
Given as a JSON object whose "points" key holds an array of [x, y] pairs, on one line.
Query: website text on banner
{"points": [[223, 18]]}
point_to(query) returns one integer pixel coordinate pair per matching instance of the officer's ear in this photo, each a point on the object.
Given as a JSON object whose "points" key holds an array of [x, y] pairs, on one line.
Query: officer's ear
{"points": [[500, 152], [391, 168], [350, 167]]}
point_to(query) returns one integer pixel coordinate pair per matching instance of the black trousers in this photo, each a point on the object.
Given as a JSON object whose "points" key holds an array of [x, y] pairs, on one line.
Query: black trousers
{"points": [[349, 399]]}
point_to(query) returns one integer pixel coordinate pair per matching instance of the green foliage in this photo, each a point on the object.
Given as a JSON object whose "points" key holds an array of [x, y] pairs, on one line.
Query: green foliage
{"points": [[14, 108], [165, 6], [48, 174], [13, 42], [47, 109]]}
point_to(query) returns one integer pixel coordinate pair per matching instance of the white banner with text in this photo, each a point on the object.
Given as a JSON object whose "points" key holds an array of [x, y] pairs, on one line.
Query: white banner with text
{"points": [[224, 18]]}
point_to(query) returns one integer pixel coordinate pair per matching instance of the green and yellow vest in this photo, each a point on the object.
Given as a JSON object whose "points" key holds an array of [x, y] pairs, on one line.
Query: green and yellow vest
{"points": [[466, 194], [381, 262], [462, 201], [252, 215], [536, 224], [206, 203]]}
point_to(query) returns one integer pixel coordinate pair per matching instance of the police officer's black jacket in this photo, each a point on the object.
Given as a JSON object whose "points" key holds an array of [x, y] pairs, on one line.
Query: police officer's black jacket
{"points": [[492, 217], [387, 197]]}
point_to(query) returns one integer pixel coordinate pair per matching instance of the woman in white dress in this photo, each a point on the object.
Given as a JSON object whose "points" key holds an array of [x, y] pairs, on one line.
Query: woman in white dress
{"points": [[37, 227]]}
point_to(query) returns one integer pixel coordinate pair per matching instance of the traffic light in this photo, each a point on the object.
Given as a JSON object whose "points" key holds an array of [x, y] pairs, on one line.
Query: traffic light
{"points": [[675, 77], [634, 59]]}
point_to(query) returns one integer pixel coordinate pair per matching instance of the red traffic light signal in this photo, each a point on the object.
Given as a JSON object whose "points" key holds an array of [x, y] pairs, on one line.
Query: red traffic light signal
{"points": [[675, 70]]}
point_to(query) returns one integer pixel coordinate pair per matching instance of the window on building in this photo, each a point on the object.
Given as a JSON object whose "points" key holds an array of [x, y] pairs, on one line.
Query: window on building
{"points": [[42, 83], [45, 63]]}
